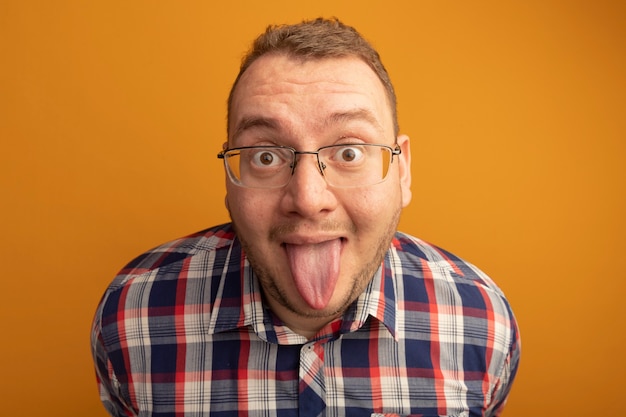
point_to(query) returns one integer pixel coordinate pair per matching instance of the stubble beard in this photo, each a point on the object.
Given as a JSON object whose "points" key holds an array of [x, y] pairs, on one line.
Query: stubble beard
{"points": [[359, 280]]}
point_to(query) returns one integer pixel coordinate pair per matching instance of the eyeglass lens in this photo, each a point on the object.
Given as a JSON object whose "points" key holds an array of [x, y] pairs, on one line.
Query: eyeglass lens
{"points": [[341, 165]]}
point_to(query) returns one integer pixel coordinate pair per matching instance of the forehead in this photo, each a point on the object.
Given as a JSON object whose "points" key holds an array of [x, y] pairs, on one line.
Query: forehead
{"points": [[280, 89]]}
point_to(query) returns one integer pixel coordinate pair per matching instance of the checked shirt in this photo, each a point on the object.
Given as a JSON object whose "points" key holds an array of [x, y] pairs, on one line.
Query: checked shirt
{"points": [[183, 331]]}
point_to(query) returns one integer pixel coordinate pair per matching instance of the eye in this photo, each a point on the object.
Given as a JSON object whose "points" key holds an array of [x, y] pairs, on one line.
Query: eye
{"points": [[348, 154], [266, 158]]}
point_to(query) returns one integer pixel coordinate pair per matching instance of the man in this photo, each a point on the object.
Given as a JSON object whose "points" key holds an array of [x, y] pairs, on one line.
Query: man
{"points": [[310, 303]]}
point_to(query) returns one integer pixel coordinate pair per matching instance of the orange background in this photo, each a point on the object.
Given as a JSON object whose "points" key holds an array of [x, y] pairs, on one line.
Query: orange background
{"points": [[112, 113]]}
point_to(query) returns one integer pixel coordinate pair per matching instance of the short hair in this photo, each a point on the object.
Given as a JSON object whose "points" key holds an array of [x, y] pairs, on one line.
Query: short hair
{"points": [[317, 39]]}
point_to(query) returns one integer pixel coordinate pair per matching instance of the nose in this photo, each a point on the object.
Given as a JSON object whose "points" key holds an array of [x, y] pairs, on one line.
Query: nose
{"points": [[320, 165], [307, 194]]}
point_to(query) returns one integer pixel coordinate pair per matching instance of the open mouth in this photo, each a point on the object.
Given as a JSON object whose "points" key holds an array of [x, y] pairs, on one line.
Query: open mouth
{"points": [[315, 269], [310, 242]]}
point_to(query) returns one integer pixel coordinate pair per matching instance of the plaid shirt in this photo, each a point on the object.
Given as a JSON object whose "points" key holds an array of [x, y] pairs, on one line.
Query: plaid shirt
{"points": [[183, 331]]}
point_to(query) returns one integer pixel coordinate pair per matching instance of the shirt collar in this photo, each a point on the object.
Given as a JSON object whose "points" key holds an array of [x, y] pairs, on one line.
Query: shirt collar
{"points": [[377, 301]]}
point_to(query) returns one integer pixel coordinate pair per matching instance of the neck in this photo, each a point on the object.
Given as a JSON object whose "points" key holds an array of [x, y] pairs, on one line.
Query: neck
{"points": [[306, 324]]}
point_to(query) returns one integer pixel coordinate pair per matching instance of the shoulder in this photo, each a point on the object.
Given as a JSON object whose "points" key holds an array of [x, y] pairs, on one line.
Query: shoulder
{"points": [[430, 278], [428, 261], [185, 270], [173, 254], [173, 283], [433, 279], [442, 294]]}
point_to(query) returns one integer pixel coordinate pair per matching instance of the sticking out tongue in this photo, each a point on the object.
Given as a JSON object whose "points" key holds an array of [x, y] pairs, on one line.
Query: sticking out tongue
{"points": [[315, 269]]}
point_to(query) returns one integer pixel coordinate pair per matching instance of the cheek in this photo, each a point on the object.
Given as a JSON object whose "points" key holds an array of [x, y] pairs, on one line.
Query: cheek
{"points": [[249, 211], [371, 208]]}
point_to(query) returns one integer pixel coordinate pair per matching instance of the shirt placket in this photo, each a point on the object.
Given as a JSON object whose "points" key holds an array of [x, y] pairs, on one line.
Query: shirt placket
{"points": [[312, 392]]}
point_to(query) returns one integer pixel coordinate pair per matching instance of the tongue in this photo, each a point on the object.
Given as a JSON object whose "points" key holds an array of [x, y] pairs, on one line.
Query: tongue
{"points": [[315, 269]]}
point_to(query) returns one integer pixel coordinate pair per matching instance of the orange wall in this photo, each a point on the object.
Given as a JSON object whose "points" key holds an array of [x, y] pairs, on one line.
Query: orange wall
{"points": [[111, 114]]}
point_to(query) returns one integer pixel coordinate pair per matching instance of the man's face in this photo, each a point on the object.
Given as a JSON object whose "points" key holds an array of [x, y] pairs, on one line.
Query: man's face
{"points": [[313, 246]]}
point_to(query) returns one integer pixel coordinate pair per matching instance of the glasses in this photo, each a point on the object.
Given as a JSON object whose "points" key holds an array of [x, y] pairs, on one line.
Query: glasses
{"points": [[345, 165]]}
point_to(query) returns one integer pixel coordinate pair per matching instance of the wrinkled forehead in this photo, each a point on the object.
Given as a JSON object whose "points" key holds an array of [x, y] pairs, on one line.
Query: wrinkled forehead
{"points": [[278, 85]]}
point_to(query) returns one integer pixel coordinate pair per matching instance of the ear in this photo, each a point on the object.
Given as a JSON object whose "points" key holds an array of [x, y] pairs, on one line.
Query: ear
{"points": [[404, 162], [224, 147]]}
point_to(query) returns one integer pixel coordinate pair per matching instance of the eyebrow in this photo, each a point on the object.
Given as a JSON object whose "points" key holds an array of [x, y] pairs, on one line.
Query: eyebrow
{"points": [[353, 115], [333, 119], [248, 123]]}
